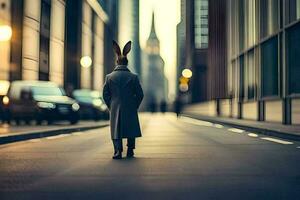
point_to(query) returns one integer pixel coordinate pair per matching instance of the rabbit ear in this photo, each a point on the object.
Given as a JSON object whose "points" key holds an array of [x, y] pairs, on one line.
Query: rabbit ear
{"points": [[127, 48], [116, 48]]}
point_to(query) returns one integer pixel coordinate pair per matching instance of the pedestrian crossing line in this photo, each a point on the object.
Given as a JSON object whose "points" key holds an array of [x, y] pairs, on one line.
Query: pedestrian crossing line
{"points": [[252, 135], [236, 130], [57, 136], [298, 147], [218, 126], [276, 140]]}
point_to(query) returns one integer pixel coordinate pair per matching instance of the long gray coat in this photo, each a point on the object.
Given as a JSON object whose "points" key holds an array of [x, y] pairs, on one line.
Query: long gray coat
{"points": [[123, 95]]}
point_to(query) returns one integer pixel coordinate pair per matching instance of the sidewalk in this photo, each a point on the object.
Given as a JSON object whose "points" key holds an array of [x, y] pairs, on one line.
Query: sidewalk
{"points": [[275, 129], [14, 133]]}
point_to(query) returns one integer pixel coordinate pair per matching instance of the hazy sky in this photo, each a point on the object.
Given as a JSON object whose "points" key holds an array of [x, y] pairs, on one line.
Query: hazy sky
{"points": [[167, 16]]}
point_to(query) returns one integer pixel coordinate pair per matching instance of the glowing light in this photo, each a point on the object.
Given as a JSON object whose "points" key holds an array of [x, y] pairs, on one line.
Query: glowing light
{"points": [[5, 100], [75, 107], [183, 87], [187, 73], [183, 80], [5, 33], [86, 61]]}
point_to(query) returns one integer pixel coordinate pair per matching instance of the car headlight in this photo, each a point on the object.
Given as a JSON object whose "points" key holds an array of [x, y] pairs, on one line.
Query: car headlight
{"points": [[103, 107], [5, 100], [75, 107], [97, 102], [46, 105]]}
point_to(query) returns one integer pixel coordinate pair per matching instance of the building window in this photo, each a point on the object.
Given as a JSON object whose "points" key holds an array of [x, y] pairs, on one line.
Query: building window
{"points": [[293, 59], [242, 77], [269, 66], [250, 75], [201, 24], [251, 22], [242, 27], [292, 10], [44, 40], [269, 17]]}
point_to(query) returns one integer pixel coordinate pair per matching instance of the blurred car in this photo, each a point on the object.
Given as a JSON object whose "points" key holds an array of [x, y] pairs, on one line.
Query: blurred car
{"points": [[40, 100], [4, 85], [92, 105]]}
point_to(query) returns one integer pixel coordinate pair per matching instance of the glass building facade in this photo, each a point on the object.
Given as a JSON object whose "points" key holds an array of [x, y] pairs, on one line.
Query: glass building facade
{"points": [[263, 59], [201, 23]]}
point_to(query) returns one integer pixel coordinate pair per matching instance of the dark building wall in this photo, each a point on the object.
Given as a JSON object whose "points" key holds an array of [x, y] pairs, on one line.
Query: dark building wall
{"points": [[73, 44], [195, 58], [17, 10], [110, 33], [136, 36], [199, 79], [217, 71]]}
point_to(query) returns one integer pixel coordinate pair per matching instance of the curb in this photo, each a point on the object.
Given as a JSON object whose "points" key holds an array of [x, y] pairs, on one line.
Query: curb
{"points": [[279, 134], [40, 134]]}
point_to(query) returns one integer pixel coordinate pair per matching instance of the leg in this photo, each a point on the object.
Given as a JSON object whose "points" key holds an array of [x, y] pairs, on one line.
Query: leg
{"points": [[131, 143], [131, 146], [118, 146]]}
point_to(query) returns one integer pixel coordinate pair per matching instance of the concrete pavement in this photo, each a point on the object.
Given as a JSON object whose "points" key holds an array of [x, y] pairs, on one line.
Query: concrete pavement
{"points": [[268, 128], [175, 159]]}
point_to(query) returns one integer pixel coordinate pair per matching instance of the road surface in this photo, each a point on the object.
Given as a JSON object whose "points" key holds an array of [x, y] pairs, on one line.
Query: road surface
{"points": [[175, 159]]}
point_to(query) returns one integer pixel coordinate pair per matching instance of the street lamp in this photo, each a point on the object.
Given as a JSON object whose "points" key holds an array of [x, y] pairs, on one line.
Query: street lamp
{"points": [[5, 33], [86, 61], [187, 73]]}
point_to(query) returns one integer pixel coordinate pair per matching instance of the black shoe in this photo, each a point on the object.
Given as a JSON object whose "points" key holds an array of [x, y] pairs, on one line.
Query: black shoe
{"points": [[130, 153], [117, 155]]}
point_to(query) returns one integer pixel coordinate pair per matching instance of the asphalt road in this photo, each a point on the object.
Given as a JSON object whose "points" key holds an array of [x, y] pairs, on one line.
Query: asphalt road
{"points": [[175, 159]]}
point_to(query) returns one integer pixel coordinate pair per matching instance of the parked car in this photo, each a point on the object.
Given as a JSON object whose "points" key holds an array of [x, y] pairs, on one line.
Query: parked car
{"points": [[4, 85], [40, 100], [92, 104]]}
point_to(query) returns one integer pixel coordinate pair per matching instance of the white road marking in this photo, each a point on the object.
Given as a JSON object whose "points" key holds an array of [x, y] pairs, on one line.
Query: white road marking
{"points": [[218, 126], [277, 140], [78, 133], [195, 121], [252, 135], [57, 136], [298, 147], [35, 140], [236, 130]]}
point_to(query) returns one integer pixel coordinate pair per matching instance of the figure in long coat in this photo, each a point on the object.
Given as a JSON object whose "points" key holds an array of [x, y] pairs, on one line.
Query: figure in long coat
{"points": [[123, 95]]}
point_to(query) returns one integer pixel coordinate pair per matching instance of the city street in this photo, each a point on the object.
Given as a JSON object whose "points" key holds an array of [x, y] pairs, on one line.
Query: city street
{"points": [[175, 159]]}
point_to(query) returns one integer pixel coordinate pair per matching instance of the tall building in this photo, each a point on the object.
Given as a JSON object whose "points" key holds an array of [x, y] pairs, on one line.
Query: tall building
{"points": [[256, 69], [49, 39], [193, 41], [129, 30], [154, 81], [263, 59], [180, 52], [216, 70], [111, 7], [36, 49], [85, 24]]}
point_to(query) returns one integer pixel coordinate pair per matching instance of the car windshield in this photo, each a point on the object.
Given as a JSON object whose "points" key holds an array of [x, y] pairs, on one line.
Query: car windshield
{"points": [[47, 91], [86, 96]]}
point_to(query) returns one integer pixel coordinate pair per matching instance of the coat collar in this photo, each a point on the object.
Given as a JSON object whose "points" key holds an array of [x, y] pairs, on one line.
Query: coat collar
{"points": [[121, 68]]}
